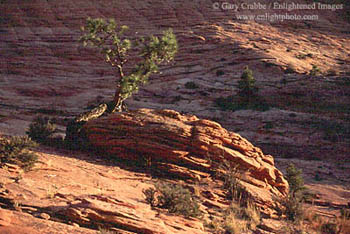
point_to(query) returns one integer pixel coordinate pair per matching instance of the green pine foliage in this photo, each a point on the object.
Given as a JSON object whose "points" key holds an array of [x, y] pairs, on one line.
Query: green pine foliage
{"points": [[292, 204], [246, 84], [117, 48], [295, 179], [247, 96]]}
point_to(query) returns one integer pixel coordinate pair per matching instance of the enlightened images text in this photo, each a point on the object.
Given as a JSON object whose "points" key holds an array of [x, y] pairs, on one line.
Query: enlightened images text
{"points": [[277, 6], [312, 6]]}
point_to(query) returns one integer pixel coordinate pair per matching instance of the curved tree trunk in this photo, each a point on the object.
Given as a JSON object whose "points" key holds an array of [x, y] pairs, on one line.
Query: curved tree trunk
{"points": [[118, 104], [74, 137]]}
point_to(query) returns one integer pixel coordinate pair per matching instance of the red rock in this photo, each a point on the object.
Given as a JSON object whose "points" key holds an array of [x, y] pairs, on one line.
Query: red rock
{"points": [[185, 146], [5, 217]]}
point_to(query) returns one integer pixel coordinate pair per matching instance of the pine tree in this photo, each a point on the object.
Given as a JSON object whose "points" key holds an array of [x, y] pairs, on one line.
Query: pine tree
{"points": [[117, 50], [295, 180], [246, 84]]}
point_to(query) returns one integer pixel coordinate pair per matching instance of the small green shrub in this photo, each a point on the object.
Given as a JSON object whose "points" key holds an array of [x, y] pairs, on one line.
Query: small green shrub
{"points": [[173, 197], [16, 150], [220, 73], [41, 129], [191, 85], [315, 70], [304, 56], [151, 196], [292, 203]]}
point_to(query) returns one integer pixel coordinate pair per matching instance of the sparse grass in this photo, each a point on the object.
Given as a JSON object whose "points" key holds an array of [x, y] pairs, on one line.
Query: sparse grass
{"points": [[343, 225], [173, 197], [105, 231], [236, 219], [313, 100], [252, 214], [232, 225], [239, 219], [231, 176], [41, 129], [16, 150]]}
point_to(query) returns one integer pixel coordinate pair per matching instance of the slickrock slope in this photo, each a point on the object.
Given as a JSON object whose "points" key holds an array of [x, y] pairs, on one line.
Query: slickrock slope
{"points": [[69, 192], [186, 146], [44, 67]]}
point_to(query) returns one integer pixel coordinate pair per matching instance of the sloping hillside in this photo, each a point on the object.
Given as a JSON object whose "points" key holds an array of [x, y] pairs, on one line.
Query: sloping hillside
{"points": [[44, 69]]}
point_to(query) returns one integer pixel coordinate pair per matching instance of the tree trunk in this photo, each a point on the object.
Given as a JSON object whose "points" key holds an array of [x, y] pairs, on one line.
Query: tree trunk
{"points": [[75, 139], [118, 102]]}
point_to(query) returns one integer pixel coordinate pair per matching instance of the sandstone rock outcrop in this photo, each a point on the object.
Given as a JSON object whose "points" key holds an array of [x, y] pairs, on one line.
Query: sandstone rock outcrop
{"points": [[74, 193], [186, 146]]}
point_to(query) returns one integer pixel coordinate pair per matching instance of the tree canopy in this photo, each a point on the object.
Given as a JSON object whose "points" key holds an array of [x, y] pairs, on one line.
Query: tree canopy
{"points": [[117, 49]]}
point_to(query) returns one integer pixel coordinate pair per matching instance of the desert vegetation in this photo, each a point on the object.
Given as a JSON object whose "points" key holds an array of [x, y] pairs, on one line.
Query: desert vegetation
{"points": [[41, 129], [289, 81], [247, 95], [117, 49], [17, 150], [174, 198]]}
